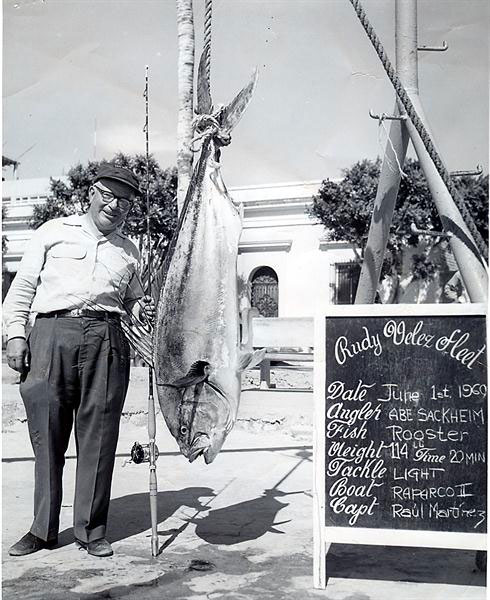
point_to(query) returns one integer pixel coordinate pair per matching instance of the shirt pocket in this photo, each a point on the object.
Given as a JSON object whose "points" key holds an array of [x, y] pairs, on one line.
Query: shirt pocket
{"points": [[67, 262], [117, 268], [66, 250]]}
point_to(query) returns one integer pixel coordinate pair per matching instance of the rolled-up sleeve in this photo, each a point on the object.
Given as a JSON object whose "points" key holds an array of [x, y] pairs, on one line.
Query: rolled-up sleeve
{"points": [[18, 301]]}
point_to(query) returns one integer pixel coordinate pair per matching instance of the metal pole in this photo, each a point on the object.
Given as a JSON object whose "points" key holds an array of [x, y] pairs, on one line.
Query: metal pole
{"points": [[389, 178], [471, 266], [151, 400]]}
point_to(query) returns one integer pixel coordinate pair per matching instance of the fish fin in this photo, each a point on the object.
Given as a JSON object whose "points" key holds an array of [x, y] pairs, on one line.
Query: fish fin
{"points": [[233, 112], [204, 102], [217, 389], [246, 317], [153, 273], [198, 368], [137, 335], [249, 360], [197, 373], [186, 381], [164, 250]]}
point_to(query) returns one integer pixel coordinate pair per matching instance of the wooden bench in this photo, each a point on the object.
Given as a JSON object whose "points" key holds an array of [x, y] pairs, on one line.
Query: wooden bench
{"points": [[281, 360], [280, 335]]}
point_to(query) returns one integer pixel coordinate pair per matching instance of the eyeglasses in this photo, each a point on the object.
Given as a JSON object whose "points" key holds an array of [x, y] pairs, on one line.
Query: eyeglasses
{"points": [[108, 197]]}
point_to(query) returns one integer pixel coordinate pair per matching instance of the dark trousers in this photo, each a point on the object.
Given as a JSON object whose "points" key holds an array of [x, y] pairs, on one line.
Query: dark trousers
{"points": [[79, 374]]}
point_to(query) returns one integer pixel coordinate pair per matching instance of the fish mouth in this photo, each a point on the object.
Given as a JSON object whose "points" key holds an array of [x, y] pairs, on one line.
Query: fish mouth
{"points": [[195, 454], [199, 446]]}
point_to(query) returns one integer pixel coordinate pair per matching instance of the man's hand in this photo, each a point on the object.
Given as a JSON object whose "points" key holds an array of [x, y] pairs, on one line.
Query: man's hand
{"points": [[147, 309], [18, 357]]}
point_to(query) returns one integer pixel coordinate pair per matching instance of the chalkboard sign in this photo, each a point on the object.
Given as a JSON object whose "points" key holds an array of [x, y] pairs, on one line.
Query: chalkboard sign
{"points": [[405, 422], [400, 434]]}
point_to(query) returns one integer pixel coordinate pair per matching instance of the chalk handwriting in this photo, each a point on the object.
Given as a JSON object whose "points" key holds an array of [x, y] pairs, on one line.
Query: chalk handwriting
{"points": [[345, 350]]}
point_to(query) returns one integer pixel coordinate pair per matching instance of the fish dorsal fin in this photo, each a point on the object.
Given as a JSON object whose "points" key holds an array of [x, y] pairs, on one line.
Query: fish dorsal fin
{"points": [[249, 360], [163, 251], [204, 102], [232, 113]]}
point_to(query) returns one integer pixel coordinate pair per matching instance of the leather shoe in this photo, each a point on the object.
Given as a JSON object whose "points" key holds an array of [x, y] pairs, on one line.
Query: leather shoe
{"points": [[31, 543], [97, 547]]}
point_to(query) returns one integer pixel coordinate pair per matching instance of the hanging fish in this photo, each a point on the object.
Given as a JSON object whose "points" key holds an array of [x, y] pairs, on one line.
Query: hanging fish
{"points": [[197, 357]]}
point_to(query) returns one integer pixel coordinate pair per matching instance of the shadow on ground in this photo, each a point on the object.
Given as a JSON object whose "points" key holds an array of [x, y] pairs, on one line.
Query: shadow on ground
{"points": [[241, 522], [250, 519], [395, 563], [130, 515]]}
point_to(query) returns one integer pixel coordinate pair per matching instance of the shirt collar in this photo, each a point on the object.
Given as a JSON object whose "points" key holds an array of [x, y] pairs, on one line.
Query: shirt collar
{"points": [[85, 223]]}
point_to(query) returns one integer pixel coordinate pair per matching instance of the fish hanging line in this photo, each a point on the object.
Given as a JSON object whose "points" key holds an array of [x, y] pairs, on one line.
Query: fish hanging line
{"points": [[208, 126], [419, 126]]}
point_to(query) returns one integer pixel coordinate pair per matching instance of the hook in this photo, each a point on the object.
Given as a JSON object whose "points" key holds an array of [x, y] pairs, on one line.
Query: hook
{"points": [[442, 48], [476, 172]]}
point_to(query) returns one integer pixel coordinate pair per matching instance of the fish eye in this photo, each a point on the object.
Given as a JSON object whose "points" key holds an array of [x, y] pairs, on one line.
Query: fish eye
{"points": [[183, 430]]}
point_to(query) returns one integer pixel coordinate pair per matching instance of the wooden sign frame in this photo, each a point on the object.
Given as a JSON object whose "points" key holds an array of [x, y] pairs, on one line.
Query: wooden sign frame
{"points": [[324, 535]]}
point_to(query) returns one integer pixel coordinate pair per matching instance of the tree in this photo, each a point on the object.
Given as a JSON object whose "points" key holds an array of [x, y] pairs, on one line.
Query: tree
{"points": [[71, 197], [185, 77], [345, 209]]}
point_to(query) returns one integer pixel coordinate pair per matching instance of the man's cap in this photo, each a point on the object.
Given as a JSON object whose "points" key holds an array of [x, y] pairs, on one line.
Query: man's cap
{"points": [[118, 179]]}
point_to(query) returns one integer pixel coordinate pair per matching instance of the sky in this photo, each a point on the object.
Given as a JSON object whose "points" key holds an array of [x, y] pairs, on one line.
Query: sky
{"points": [[73, 67]]}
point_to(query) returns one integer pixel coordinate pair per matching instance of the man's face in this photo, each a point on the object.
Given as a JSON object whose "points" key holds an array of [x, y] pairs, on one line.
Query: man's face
{"points": [[109, 205]]}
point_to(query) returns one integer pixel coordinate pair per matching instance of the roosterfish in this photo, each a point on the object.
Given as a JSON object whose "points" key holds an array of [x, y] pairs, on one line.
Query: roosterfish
{"points": [[195, 351]]}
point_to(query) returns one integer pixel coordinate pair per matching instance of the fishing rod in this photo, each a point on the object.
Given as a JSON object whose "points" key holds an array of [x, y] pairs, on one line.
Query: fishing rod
{"points": [[151, 401], [152, 449]]}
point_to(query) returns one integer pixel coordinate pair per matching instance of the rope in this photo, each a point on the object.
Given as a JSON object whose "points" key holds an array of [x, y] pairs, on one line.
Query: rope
{"points": [[208, 13], [207, 127], [419, 126]]}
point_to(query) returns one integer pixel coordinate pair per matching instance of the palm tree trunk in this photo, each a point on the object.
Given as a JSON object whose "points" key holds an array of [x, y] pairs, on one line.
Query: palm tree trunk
{"points": [[185, 33]]}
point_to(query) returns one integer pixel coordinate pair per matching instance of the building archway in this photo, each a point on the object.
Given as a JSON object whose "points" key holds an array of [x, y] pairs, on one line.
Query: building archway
{"points": [[265, 291]]}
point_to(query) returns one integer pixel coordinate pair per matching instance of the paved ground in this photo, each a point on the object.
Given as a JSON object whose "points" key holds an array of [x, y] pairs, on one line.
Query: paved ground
{"points": [[237, 529]]}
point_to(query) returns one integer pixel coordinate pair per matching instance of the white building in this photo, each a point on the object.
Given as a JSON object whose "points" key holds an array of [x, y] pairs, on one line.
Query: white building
{"points": [[286, 266], [284, 255], [18, 199]]}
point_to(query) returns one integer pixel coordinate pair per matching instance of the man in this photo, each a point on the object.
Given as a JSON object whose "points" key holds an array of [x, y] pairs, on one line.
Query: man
{"points": [[78, 274]]}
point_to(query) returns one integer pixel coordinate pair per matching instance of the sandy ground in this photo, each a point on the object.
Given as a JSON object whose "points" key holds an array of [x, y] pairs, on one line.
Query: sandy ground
{"points": [[240, 528]]}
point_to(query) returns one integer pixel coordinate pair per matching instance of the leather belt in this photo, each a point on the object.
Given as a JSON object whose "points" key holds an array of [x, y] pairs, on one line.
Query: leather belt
{"points": [[80, 312]]}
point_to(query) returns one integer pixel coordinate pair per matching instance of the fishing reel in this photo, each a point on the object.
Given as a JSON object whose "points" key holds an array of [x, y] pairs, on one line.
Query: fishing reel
{"points": [[140, 453]]}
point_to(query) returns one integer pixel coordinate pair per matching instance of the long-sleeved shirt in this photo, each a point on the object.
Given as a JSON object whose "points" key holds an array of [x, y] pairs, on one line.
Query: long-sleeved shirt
{"points": [[68, 263]]}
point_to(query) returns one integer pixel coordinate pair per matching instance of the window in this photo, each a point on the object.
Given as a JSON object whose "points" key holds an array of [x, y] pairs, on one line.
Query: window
{"points": [[346, 280], [265, 292]]}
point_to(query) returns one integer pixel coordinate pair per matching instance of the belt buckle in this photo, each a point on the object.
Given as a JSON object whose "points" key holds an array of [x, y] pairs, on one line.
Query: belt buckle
{"points": [[76, 312]]}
